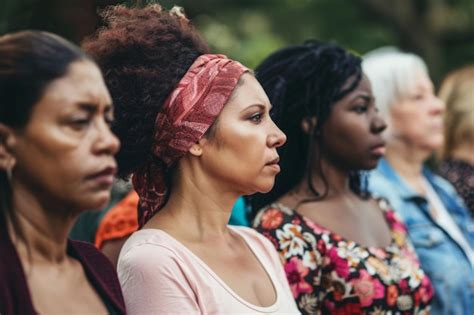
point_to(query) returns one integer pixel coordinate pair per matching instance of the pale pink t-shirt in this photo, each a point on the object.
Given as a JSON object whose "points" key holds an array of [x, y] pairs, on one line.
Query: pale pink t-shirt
{"points": [[159, 275]]}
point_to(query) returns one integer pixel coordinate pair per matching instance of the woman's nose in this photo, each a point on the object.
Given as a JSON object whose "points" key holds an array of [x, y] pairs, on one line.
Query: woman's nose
{"points": [[107, 141], [378, 124], [277, 138], [438, 106]]}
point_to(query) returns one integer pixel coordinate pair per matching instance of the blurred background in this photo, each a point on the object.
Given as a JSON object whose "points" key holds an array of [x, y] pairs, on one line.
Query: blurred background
{"points": [[441, 31]]}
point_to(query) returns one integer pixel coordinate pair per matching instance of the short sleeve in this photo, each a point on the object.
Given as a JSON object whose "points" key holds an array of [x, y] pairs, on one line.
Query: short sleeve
{"points": [[153, 281], [298, 249]]}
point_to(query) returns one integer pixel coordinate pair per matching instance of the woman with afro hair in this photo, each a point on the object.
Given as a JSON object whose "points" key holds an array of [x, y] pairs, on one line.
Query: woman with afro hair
{"points": [[196, 134], [344, 252]]}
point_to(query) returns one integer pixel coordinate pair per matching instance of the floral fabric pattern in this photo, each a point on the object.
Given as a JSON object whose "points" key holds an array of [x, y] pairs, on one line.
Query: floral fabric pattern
{"points": [[461, 175], [331, 275]]}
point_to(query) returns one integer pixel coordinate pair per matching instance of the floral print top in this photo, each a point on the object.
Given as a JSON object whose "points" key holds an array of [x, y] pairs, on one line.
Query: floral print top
{"points": [[331, 275]]}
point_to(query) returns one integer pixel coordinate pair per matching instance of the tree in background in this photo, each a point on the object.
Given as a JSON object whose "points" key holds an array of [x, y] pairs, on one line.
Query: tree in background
{"points": [[441, 31]]}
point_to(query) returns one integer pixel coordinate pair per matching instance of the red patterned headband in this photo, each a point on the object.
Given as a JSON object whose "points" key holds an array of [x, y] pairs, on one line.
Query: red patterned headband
{"points": [[186, 115]]}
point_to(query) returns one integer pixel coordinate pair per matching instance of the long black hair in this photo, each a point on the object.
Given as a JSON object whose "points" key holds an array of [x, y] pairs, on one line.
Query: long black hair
{"points": [[29, 61], [304, 81]]}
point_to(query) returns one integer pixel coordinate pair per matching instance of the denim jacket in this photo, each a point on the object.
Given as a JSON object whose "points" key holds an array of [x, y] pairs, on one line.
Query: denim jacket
{"points": [[441, 257]]}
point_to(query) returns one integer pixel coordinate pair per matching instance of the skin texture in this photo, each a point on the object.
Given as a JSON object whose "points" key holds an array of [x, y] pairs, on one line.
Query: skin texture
{"points": [[354, 130], [351, 140], [56, 160], [71, 140], [217, 170], [416, 131], [246, 142], [417, 120]]}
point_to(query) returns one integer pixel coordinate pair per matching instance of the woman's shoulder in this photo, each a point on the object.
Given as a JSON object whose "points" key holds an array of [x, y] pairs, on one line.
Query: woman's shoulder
{"points": [[383, 203], [395, 222], [382, 184], [147, 243], [153, 254], [251, 236]]}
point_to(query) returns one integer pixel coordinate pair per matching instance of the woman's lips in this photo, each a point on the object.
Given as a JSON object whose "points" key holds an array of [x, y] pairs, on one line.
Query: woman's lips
{"points": [[378, 150], [273, 164], [275, 167], [104, 177]]}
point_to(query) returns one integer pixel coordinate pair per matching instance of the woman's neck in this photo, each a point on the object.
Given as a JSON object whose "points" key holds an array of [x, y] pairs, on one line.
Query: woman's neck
{"points": [[197, 209], [408, 163], [406, 160], [335, 183], [44, 232]]}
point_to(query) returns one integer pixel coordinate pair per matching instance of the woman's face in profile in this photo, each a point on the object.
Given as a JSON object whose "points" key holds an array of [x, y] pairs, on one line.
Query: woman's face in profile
{"points": [[66, 151], [242, 151], [418, 118], [352, 135]]}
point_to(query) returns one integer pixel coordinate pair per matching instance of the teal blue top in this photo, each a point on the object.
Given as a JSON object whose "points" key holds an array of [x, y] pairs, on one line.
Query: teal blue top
{"points": [[239, 213]]}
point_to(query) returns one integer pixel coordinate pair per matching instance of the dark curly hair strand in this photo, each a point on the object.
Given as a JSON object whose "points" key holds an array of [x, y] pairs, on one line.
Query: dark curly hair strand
{"points": [[143, 53]]}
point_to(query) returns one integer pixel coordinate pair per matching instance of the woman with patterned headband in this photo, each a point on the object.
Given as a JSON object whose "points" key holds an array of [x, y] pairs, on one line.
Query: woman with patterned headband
{"points": [[196, 135]]}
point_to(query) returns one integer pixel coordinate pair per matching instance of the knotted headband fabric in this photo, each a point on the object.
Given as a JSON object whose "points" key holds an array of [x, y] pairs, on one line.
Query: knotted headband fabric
{"points": [[186, 115]]}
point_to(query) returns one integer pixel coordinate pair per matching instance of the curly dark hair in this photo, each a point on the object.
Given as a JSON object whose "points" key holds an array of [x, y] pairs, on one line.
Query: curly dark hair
{"points": [[143, 53], [305, 81]]}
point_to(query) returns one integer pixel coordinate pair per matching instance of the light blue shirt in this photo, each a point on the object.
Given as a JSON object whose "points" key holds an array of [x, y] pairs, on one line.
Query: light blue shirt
{"points": [[441, 257]]}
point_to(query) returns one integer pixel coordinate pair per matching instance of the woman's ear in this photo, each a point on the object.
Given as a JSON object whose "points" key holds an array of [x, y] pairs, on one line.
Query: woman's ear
{"points": [[308, 124], [196, 149], [7, 141]]}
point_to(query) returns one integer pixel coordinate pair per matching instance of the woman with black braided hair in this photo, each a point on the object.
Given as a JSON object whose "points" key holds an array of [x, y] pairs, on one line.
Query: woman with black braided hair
{"points": [[344, 252]]}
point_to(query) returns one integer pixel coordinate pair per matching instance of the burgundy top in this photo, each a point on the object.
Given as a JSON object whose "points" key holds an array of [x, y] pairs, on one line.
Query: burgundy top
{"points": [[14, 293]]}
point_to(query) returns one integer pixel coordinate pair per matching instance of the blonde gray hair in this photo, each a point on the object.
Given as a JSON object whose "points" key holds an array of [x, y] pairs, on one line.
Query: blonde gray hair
{"points": [[457, 90], [392, 74]]}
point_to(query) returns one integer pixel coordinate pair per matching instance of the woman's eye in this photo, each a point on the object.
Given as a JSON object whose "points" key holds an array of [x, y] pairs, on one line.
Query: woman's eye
{"points": [[360, 109], [109, 120], [80, 124], [257, 117]]}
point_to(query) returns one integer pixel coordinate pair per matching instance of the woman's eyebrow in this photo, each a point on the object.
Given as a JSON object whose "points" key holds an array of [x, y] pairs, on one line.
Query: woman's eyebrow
{"points": [[260, 106], [92, 107], [365, 97]]}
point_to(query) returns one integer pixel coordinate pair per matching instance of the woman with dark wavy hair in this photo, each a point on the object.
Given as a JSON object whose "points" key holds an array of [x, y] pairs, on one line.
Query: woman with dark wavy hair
{"points": [[56, 161], [196, 135], [344, 252]]}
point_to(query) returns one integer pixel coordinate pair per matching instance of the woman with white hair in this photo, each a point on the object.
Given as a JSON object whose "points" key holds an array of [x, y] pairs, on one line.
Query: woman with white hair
{"points": [[437, 219]]}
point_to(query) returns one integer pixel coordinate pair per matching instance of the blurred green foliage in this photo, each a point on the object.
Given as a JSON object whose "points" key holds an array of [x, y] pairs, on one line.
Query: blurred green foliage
{"points": [[441, 31]]}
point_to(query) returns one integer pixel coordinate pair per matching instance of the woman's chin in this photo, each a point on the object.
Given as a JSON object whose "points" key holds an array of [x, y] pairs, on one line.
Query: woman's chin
{"points": [[263, 189], [97, 202], [372, 164]]}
